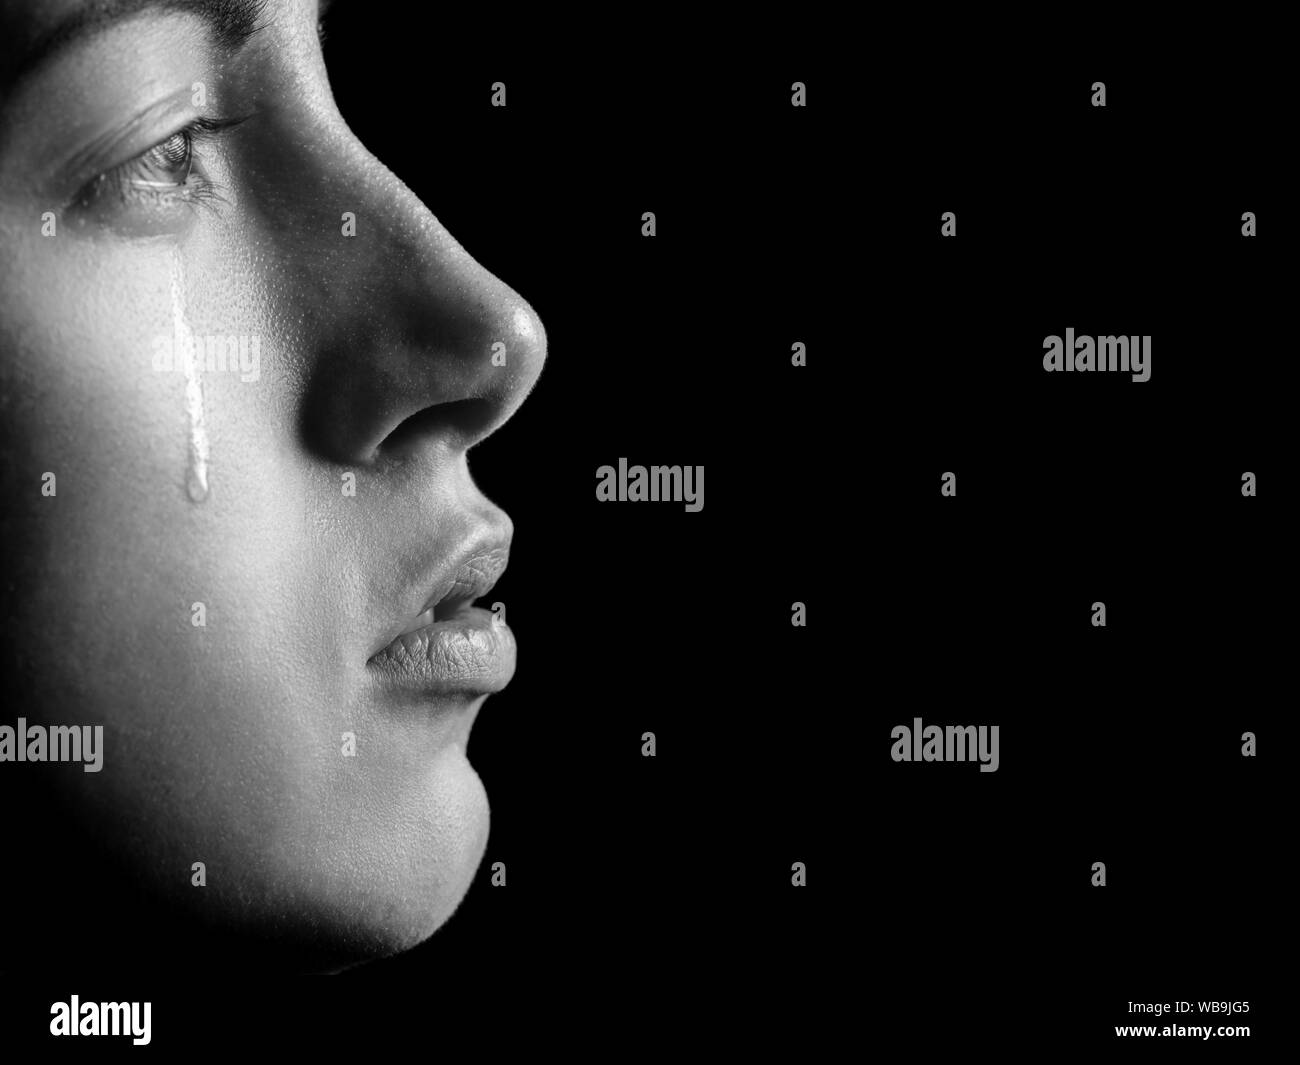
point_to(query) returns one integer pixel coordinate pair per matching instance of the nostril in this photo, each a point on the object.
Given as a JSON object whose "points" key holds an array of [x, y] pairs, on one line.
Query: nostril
{"points": [[462, 420]]}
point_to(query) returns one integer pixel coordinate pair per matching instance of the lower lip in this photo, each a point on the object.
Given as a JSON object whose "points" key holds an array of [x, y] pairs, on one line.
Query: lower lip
{"points": [[471, 653]]}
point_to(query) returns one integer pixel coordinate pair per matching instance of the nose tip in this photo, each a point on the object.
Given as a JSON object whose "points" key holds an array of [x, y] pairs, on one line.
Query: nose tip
{"points": [[527, 342], [516, 353]]}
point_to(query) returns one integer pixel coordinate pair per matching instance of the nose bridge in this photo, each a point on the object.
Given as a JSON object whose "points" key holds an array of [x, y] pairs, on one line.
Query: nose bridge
{"points": [[410, 322]]}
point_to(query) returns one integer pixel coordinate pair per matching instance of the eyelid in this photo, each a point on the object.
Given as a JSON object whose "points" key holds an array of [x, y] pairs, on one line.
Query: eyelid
{"points": [[195, 133], [132, 139]]}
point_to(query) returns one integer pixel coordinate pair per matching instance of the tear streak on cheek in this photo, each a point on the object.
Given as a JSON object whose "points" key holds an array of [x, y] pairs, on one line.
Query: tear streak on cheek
{"points": [[196, 467]]}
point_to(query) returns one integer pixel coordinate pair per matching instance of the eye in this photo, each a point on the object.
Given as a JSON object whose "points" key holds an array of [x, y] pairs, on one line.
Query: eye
{"points": [[166, 165], [162, 177]]}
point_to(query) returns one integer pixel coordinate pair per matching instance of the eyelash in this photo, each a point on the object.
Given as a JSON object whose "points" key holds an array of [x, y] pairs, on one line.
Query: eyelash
{"points": [[194, 188]]}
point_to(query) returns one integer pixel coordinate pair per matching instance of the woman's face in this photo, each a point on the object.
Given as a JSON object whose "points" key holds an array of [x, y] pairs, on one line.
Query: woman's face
{"points": [[229, 568]]}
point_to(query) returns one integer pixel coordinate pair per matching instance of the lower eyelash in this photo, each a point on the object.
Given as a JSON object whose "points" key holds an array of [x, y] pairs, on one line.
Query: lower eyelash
{"points": [[198, 191], [210, 195]]}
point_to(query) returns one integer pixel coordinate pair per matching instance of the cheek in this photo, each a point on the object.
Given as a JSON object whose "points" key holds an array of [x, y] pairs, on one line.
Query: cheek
{"points": [[221, 739]]}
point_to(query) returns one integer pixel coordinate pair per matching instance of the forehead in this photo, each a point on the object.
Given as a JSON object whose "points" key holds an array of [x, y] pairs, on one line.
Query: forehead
{"points": [[30, 30]]}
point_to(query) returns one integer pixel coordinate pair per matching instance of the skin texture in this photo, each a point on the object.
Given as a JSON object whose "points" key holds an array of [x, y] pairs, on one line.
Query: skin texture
{"points": [[223, 742]]}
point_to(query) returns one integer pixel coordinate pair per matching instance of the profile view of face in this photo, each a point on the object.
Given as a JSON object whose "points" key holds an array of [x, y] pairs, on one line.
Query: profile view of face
{"points": [[241, 366]]}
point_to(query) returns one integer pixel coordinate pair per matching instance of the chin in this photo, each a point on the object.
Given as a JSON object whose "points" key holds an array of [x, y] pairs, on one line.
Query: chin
{"points": [[397, 896]]}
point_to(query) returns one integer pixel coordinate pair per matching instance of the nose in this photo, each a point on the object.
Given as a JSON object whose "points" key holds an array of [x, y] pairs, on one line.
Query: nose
{"points": [[413, 344]]}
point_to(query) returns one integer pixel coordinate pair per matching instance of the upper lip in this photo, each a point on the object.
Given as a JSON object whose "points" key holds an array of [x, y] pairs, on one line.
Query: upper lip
{"points": [[473, 571], [479, 568]]}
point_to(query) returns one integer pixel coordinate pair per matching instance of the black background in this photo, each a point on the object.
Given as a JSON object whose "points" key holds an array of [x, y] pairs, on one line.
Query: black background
{"points": [[942, 904], [1120, 745]]}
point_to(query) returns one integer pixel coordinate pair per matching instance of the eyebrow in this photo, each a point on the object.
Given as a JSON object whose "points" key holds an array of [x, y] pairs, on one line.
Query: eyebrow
{"points": [[232, 23]]}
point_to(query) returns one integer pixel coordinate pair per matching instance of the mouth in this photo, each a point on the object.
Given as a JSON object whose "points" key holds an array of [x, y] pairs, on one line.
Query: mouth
{"points": [[452, 647]]}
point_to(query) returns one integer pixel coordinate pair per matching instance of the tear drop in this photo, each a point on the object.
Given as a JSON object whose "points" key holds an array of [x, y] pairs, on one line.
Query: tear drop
{"points": [[196, 463]]}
